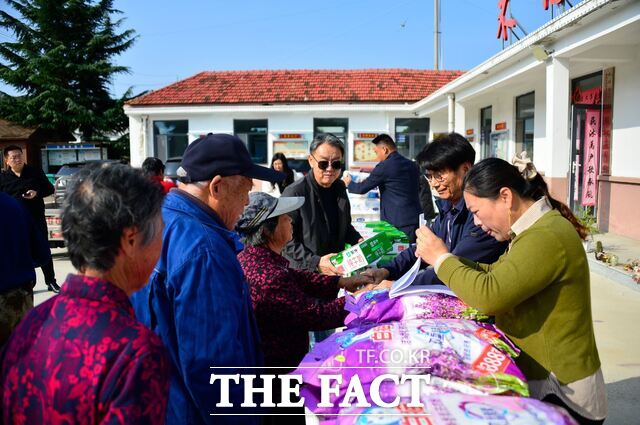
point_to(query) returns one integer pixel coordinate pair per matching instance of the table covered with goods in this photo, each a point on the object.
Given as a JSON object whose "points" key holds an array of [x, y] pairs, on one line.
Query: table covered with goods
{"points": [[418, 358]]}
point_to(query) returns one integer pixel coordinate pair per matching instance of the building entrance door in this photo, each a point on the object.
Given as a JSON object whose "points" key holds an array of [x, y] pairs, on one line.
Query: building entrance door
{"points": [[485, 132], [579, 166], [586, 134]]}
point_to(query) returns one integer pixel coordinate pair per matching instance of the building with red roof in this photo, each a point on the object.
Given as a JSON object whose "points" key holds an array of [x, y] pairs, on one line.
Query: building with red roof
{"points": [[281, 110]]}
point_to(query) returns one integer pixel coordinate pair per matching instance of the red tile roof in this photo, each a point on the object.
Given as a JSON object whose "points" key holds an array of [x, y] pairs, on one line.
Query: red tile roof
{"points": [[300, 86]]}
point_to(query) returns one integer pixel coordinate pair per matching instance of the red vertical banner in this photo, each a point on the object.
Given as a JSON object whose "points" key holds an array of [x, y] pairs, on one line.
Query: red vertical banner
{"points": [[591, 155], [607, 109]]}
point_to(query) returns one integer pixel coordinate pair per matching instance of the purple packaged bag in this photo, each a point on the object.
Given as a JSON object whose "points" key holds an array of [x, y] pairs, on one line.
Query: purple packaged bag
{"points": [[455, 350], [379, 308], [458, 409]]}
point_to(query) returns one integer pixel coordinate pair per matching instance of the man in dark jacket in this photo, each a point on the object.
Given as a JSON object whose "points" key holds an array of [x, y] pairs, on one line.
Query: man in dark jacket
{"points": [[398, 179], [24, 248], [322, 226], [447, 160], [30, 186]]}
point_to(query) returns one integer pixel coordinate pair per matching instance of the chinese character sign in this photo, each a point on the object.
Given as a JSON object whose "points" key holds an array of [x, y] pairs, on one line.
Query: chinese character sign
{"points": [[503, 23], [591, 150]]}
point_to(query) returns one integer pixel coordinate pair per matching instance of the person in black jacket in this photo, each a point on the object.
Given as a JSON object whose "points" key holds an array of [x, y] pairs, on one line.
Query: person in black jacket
{"points": [[322, 226], [426, 198], [446, 161], [398, 179], [25, 247], [30, 186]]}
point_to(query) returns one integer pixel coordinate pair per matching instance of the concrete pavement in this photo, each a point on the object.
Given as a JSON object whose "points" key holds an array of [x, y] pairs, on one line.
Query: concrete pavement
{"points": [[616, 313]]}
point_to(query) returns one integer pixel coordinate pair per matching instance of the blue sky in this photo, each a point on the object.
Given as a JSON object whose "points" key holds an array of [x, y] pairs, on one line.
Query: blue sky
{"points": [[177, 39]]}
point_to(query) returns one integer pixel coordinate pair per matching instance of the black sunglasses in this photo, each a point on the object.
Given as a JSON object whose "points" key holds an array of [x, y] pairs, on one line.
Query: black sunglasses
{"points": [[324, 164]]}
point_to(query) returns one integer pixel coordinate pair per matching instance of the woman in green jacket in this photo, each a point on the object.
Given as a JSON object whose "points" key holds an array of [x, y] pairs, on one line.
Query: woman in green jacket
{"points": [[539, 290]]}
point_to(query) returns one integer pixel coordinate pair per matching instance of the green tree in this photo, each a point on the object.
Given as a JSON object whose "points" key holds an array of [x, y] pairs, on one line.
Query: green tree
{"points": [[61, 63]]}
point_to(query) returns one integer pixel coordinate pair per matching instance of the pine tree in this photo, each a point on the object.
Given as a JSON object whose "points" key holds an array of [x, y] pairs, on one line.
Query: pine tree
{"points": [[61, 63]]}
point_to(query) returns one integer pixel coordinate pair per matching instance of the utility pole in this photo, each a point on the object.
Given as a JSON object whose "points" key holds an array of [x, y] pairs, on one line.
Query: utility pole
{"points": [[436, 35]]}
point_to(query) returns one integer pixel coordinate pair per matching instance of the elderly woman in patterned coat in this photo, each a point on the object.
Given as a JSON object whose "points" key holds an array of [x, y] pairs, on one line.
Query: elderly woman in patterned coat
{"points": [[82, 357], [288, 303]]}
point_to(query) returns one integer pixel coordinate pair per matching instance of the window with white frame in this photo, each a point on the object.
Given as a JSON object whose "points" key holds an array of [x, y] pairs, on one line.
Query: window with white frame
{"points": [[170, 138]]}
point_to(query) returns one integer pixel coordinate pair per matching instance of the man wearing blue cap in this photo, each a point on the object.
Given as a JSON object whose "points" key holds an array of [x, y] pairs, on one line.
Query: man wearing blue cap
{"points": [[197, 299]]}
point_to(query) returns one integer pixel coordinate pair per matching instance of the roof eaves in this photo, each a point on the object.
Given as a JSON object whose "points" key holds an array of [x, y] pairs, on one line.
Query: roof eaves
{"points": [[561, 22]]}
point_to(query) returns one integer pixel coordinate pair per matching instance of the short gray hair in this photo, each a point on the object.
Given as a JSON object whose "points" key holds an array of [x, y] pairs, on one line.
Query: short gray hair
{"points": [[327, 138], [102, 201]]}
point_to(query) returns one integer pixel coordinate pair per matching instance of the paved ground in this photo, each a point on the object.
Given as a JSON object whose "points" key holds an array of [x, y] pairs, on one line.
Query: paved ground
{"points": [[616, 316]]}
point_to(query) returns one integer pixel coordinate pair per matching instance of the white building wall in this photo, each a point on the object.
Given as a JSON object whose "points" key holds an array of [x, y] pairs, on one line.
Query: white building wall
{"points": [[203, 124], [136, 141], [278, 122], [437, 122], [459, 114], [541, 151], [625, 144]]}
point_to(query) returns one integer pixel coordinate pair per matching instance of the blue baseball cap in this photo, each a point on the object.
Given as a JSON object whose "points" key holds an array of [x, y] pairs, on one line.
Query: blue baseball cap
{"points": [[221, 155]]}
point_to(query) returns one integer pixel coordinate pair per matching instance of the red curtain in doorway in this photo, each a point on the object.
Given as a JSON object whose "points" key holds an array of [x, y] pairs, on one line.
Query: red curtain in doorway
{"points": [[591, 152]]}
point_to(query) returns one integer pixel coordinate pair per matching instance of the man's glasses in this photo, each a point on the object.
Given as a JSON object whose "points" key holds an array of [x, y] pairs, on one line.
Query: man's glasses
{"points": [[324, 164], [435, 176]]}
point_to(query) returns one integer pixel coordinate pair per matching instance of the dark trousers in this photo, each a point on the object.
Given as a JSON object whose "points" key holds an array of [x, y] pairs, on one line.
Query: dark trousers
{"points": [[47, 268], [49, 273], [554, 399]]}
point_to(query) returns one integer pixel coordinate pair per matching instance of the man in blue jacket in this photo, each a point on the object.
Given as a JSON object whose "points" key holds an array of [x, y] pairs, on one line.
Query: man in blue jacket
{"points": [[24, 247], [197, 299], [447, 160], [398, 179]]}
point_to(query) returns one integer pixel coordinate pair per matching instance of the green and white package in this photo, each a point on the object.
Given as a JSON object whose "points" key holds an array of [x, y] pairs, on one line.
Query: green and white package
{"points": [[362, 254]]}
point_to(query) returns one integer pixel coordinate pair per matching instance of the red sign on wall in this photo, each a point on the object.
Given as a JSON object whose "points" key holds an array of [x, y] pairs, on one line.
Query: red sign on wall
{"points": [[367, 135], [607, 124], [591, 154], [587, 97], [290, 136]]}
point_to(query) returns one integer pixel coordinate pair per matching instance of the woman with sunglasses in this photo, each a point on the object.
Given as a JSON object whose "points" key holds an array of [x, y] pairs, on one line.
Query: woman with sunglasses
{"points": [[322, 227]]}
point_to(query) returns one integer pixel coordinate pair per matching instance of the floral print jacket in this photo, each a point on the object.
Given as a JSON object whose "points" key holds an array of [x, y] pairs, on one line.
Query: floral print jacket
{"points": [[289, 303], [82, 357]]}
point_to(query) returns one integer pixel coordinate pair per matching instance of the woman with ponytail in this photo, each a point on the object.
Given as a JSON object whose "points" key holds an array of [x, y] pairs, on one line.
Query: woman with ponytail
{"points": [[539, 290]]}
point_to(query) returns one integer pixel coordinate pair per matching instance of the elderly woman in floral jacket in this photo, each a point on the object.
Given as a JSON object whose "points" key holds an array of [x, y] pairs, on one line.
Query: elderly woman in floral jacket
{"points": [[288, 303], [82, 356]]}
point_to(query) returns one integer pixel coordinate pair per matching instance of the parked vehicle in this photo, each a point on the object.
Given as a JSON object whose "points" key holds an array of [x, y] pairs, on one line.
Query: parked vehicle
{"points": [[171, 168], [66, 172], [53, 210]]}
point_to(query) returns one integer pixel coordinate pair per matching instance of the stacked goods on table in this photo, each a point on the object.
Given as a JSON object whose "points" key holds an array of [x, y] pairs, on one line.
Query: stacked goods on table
{"points": [[365, 207], [467, 367]]}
